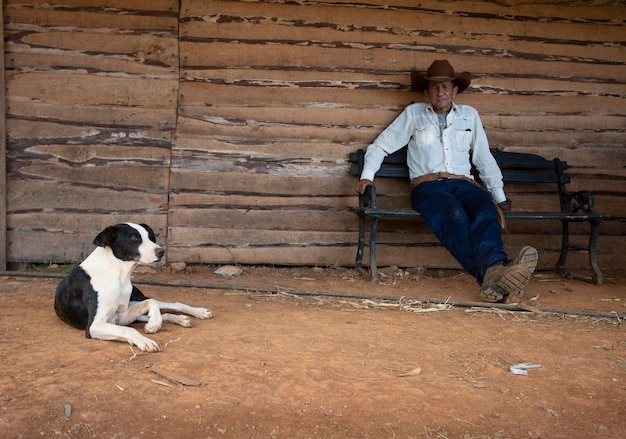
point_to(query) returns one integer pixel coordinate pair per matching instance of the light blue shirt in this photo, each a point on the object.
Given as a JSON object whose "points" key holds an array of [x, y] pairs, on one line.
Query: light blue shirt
{"points": [[431, 150]]}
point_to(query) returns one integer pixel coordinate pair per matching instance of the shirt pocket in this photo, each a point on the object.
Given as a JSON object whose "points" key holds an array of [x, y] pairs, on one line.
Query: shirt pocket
{"points": [[426, 137], [463, 139]]}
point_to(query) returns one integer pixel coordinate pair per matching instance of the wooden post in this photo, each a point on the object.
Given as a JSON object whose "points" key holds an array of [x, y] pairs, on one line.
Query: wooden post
{"points": [[3, 155]]}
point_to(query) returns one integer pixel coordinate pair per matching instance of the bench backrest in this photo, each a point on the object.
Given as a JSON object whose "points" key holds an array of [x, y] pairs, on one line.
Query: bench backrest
{"points": [[516, 167]]}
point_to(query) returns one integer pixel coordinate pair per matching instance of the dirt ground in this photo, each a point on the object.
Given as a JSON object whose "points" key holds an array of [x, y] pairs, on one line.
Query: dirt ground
{"points": [[318, 353]]}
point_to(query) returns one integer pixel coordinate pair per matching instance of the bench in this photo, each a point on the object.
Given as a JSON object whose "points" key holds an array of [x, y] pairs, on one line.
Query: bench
{"points": [[518, 168]]}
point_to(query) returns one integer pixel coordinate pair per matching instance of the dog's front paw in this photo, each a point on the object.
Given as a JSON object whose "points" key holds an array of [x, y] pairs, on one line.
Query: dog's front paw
{"points": [[179, 319], [146, 344], [152, 326], [203, 313]]}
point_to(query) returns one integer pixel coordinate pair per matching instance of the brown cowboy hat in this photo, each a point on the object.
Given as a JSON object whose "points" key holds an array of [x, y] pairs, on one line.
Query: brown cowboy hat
{"points": [[440, 70]]}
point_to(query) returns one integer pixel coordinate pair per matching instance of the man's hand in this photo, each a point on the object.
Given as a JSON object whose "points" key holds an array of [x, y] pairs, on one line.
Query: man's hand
{"points": [[361, 185], [505, 205]]}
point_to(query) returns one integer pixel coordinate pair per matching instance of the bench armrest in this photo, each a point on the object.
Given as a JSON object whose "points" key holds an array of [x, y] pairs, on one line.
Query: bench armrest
{"points": [[581, 201], [368, 198]]}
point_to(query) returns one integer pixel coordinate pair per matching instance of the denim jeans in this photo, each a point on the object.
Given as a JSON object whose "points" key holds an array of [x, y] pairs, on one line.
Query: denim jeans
{"points": [[464, 218]]}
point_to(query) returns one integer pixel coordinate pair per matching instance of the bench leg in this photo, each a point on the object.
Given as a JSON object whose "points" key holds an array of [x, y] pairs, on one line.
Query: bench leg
{"points": [[358, 264], [373, 266], [560, 265], [593, 259]]}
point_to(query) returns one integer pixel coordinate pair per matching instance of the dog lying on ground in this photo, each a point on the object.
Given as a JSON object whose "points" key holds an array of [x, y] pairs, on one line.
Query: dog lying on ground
{"points": [[98, 295]]}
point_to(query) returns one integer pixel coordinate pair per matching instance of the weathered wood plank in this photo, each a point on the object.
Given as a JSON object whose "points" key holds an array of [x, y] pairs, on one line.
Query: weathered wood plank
{"points": [[418, 256], [233, 237], [162, 52], [276, 149], [605, 160], [293, 56], [323, 256], [510, 9], [122, 155], [437, 257], [190, 207], [86, 225], [82, 15], [303, 219], [3, 169], [352, 117], [560, 139], [287, 21], [122, 177], [121, 117], [202, 94], [37, 132], [398, 81], [106, 90], [250, 183], [70, 239], [122, 5], [564, 130], [245, 162], [52, 196], [86, 63], [362, 136]]}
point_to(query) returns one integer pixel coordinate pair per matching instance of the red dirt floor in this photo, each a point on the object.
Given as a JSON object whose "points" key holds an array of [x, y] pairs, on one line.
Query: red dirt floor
{"points": [[307, 352]]}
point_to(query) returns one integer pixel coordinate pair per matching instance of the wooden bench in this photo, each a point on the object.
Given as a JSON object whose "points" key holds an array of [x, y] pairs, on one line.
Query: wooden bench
{"points": [[518, 168]]}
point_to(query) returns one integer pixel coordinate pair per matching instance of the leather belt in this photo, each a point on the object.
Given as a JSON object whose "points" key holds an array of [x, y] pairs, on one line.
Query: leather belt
{"points": [[439, 176]]}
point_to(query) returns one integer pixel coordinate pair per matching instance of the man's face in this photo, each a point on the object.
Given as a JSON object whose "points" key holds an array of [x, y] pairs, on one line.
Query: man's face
{"points": [[441, 95]]}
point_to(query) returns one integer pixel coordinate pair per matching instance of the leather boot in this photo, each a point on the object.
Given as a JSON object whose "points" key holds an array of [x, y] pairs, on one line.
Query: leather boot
{"points": [[504, 282]]}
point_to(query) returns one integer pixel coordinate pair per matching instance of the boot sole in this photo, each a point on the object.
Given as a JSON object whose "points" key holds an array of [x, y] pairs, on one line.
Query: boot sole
{"points": [[509, 287], [527, 258], [513, 283], [492, 294]]}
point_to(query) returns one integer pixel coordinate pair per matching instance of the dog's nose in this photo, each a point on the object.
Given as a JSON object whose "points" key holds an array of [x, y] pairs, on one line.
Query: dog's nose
{"points": [[159, 252]]}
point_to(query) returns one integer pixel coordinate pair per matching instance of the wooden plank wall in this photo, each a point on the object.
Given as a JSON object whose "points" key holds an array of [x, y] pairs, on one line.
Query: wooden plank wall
{"points": [[274, 95], [244, 159], [91, 108]]}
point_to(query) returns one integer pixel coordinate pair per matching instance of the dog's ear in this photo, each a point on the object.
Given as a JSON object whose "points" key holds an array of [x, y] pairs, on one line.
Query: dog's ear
{"points": [[151, 234], [106, 237]]}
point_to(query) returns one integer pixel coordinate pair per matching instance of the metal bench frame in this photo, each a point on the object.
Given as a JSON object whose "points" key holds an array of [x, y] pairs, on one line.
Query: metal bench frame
{"points": [[516, 167]]}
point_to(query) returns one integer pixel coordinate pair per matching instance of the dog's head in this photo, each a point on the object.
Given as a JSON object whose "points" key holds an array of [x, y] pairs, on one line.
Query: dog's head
{"points": [[131, 242]]}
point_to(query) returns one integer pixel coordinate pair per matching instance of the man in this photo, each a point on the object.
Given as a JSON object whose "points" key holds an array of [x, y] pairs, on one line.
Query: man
{"points": [[444, 140]]}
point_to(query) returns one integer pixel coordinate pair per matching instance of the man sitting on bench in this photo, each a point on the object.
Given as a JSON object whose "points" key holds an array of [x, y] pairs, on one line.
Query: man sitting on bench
{"points": [[444, 140]]}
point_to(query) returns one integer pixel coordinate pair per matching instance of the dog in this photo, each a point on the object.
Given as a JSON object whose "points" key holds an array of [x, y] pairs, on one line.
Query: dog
{"points": [[98, 295]]}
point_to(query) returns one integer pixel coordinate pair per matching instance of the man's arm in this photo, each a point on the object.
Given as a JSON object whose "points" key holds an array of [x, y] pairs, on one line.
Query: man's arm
{"points": [[374, 157], [394, 137], [486, 164]]}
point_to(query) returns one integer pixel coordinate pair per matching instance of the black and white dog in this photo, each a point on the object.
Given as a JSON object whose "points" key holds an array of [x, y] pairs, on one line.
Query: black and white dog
{"points": [[98, 295]]}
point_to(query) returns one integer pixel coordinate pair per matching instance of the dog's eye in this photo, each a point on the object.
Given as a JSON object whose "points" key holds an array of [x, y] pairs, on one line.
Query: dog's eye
{"points": [[134, 238]]}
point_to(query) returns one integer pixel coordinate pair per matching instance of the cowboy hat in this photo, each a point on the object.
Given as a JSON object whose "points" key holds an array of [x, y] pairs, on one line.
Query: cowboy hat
{"points": [[440, 70]]}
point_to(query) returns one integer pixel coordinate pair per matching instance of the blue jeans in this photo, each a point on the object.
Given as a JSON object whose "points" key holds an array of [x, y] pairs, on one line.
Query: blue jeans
{"points": [[464, 218]]}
